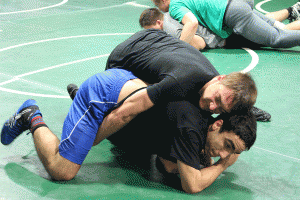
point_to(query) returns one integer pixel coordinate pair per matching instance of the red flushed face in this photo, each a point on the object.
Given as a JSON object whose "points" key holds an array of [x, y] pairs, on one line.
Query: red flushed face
{"points": [[216, 98]]}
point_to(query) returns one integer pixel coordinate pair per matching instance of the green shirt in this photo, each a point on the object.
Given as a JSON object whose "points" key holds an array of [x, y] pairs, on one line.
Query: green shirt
{"points": [[210, 13]]}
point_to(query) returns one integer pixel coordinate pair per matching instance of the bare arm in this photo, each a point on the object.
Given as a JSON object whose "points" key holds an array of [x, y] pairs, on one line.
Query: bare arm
{"points": [[198, 42], [190, 25], [194, 181], [118, 118]]}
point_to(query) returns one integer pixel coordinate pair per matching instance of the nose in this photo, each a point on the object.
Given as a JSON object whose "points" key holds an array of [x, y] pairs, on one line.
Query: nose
{"points": [[223, 154], [213, 106]]}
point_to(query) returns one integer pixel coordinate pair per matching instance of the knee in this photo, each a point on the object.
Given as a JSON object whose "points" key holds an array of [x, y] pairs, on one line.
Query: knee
{"points": [[276, 41], [62, 176], [68, 176], [64, 170]]}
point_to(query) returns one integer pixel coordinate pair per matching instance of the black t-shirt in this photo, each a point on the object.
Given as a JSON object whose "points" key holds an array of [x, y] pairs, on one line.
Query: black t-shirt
{"points": [[176, 69], [175, 132]]}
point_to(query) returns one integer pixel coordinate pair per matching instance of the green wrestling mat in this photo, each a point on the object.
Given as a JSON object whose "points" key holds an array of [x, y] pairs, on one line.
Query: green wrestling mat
{"points": [[45, 45]]}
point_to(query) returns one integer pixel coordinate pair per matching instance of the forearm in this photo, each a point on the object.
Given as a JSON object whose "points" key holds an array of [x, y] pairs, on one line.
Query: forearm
{"points": [[210, 174], [190, 25], [194, 181], [118, 118], [188, 32]]}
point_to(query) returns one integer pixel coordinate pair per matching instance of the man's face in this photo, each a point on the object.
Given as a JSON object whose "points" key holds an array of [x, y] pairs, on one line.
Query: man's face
{"points": [[162, 5], [216, 98], [222, 144]]}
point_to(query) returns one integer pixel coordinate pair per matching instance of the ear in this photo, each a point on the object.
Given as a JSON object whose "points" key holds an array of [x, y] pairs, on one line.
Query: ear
{"points": [[217, 124], [165, 1], [218, 78], [160, 23], [221, 77]]}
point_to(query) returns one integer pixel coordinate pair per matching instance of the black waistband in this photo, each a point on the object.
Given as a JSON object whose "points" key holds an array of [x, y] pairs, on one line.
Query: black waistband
{"points": [[122, 101]]}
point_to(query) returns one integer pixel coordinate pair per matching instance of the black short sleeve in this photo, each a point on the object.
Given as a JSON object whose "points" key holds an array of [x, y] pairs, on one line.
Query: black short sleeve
{"points": [[175, 68], [190, 137]]}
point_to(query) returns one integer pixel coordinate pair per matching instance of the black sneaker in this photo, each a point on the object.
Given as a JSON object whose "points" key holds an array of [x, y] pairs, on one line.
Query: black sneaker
{"points": [[295, 15], [261, 115], [72, 90]]}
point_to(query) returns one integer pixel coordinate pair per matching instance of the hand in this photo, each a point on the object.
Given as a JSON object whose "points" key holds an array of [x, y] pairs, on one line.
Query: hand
{"points": [[205, 159], [230, 159]]}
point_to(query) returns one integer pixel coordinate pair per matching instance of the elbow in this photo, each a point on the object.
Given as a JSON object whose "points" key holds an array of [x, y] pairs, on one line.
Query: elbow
{"points": [[201, 46], [198, 42], [193, 25], [193, 189]]}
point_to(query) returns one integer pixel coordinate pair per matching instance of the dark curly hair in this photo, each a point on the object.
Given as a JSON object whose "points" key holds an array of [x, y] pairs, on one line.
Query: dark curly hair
{"points": [[243, 124]]}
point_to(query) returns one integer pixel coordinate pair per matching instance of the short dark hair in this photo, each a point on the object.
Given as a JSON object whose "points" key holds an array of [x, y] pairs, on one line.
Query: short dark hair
{"points": [[243, 125], [150, 16]]}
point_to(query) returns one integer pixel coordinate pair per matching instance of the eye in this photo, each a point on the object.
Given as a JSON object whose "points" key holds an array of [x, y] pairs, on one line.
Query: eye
{"points": [[218, 100], [228, 146]]}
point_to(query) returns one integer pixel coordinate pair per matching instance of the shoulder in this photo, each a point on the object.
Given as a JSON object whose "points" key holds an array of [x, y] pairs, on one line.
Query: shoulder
{"points": [[187, 115]]}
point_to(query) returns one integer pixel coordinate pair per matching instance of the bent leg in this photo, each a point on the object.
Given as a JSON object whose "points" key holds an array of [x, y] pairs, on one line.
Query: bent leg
{"points": [[275, 19], [279, 15], [46, 144], [267, 19], [241, 18], [295, 25], [62, 160]]}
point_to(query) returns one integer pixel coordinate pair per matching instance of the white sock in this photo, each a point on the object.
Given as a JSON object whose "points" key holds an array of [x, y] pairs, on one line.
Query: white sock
{"points": [[279, 25]]}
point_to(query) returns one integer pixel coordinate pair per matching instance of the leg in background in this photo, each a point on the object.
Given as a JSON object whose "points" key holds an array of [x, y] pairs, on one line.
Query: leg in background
{"points": [[241, 18], [280, 15]]}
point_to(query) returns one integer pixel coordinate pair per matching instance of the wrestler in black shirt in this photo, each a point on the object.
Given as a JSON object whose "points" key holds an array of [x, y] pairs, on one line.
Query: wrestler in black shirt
{"points": [[186, 86], [177, 68]]}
